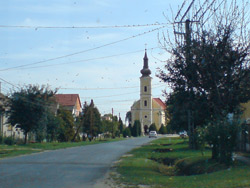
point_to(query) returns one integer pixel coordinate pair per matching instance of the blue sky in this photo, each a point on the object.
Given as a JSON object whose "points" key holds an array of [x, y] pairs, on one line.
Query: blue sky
{"points": [[77, 73]]}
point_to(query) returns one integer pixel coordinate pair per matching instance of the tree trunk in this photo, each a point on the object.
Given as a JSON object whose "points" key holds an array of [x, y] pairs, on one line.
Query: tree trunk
{"points": [[25, 138], [214, 152]]}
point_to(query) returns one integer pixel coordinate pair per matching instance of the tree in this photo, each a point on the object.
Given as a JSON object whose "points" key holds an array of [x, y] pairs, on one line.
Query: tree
{"points": [[91, 120], [136, 129], [128, 117], [163, 129], [66, 129], [212, 67], [27, 107], [53, 126], [126, 132], [120, 126], [152, 127]]}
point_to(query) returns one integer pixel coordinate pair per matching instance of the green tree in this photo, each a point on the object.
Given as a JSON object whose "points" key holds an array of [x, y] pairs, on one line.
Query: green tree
{"points": [[53, 125], [27, 107], [126, 132], [212, 66], [129, 117], [163, 129], [152, 127], [121, 126], [91, 120], [66, 129], [136, 129]]}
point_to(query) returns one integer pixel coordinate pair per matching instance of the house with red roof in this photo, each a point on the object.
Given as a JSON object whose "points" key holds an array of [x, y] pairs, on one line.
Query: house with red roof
{"points": [[70, 102], [147, 109]]}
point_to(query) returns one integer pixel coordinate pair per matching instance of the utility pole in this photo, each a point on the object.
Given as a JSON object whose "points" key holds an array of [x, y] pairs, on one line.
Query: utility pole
{"points": [[190, 89], [112, 123]]}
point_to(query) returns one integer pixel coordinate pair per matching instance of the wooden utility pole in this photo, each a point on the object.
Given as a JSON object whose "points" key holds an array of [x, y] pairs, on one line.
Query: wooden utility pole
{"points": [[190, 89], [112, 123]]}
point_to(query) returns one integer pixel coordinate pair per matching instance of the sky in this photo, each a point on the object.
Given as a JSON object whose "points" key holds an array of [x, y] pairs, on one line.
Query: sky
{"points": [[85, 47]]}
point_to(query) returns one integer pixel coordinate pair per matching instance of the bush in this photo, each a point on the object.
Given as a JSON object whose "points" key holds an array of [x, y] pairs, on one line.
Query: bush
{"points": [[1, 139], [163, 129], [136, 130], [221, 135], [126, 132], [9, 141], [153, 127]]}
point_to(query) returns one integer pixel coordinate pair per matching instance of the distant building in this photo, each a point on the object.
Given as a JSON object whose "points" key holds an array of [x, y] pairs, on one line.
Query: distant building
{"points": [[148, 110], [6, 129], [70, 102], [107, 117], [246, 118]]}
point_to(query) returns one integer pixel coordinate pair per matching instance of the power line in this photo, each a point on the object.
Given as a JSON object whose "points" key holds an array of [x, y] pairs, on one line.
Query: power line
{"points": [[80, 27], [9, 83], [80, 52], [109, 88], [85, 60], [116, 94]]}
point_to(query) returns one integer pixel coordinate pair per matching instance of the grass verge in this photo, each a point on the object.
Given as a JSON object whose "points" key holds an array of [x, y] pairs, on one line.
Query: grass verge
{"points": [[168, 162], [15, 150]]}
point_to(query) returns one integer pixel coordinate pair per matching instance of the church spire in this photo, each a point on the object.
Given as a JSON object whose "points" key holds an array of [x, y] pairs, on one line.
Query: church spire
{"points": [[145, 71]]}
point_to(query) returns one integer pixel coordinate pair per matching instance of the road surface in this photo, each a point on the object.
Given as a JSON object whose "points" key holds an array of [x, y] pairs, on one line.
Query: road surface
{"points": [[78, 167]]}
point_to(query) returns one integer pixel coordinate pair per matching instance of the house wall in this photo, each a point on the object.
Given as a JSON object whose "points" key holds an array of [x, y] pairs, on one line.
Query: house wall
{"points": [[246, 117], [8, 130], [158, 115], [135, 112]]}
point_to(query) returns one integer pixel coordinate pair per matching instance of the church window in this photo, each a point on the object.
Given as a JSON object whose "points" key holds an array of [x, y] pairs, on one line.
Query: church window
{"points": [[145, 89], [145, 103]]}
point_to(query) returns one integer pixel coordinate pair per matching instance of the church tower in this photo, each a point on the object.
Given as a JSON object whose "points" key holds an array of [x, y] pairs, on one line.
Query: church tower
{"points": [[145, 95], [147, 109]]}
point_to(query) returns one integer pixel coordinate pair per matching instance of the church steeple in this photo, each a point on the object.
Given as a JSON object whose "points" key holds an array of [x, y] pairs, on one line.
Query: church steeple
{"points": [[145, 71]]}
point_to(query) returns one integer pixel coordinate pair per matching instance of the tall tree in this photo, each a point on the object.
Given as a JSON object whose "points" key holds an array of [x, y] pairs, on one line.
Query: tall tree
{"points": [[120, 125], [66, 128], [136, 129], [91, 119], [129, 117], [27, 107], [212, 66]]}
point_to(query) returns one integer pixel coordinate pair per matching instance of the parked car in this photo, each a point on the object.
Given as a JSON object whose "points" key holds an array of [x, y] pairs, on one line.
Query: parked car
{"points": [[183, 134], [153, 134]]}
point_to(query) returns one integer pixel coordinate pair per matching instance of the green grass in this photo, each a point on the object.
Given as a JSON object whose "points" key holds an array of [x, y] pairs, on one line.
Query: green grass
{"points": [[15, 150], [138, 169]]}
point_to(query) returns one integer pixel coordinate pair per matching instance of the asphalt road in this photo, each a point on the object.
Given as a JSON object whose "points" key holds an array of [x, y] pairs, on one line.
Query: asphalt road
{"points": [[65, 168]]}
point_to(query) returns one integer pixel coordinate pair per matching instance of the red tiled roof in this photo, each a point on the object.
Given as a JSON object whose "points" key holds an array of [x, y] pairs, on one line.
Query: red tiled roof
{"points": [[160, 102], [67, 99]]}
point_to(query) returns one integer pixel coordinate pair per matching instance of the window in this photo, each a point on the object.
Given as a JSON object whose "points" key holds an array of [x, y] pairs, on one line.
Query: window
{"points": [[145, 103], [145, 89], [146, 117]]}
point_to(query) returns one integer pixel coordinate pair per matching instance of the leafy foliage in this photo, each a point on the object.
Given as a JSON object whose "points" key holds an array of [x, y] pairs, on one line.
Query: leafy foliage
{"points": [[163, 129], [27, 107], [66, 128], [136, 129], [153, 127], [126, 132], [210, 78], [91, 119]]}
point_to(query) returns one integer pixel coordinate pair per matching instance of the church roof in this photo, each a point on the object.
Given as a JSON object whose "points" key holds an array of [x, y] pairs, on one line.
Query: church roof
{"points": [[145, 71], [160, 102], [67, 99]]}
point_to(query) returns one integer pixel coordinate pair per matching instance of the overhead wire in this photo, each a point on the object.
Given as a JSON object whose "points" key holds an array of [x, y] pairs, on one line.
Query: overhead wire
{"points": [[108, 88], [116, 94], [85, 60], [9, 83], [81, 27], [84, 51]]}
